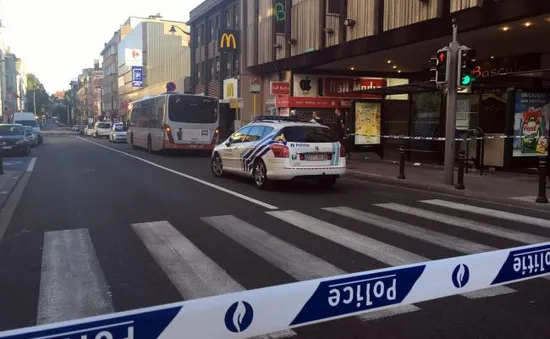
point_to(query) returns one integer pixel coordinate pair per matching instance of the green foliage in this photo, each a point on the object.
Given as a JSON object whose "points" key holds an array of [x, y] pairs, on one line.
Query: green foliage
{"points": [[35, 90]]}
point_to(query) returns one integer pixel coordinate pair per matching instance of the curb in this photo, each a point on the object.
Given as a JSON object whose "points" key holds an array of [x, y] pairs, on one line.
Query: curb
{"points": [[11, 187], [368, 177]]}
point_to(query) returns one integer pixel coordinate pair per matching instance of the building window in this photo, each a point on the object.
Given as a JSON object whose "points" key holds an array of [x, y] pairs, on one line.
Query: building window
{"points": [[213, 23], [229, 17], [236, 17], [217, 68], [333, 6], [229, 67], [200, 35]]}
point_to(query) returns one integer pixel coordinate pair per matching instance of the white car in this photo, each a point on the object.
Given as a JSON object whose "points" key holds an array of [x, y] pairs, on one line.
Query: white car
{"points": [[273, 148], [118, 132], [102, 129]]}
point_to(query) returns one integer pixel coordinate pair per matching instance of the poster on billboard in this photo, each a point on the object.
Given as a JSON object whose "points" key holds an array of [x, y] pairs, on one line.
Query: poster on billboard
{"points": [[531, 123], [367, 123]]}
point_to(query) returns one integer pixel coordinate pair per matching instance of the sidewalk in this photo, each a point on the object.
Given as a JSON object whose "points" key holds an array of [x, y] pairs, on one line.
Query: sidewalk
{"points": [[492, 185]]}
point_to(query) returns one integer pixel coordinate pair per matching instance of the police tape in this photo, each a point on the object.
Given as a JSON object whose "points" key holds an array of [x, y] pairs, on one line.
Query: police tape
{"points": [[408, 137], [272, 309]]}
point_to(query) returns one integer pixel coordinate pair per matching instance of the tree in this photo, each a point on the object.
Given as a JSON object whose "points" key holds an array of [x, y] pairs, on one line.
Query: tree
{"points": [[35, 90]]}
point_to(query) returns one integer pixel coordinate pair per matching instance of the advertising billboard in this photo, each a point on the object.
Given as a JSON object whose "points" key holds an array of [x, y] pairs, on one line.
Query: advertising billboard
{"points": [[531, 124], [367, 123]]}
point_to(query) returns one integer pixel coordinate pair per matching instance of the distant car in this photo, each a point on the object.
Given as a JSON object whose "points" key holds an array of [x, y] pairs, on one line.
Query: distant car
{"points": [[13, 139], [89, 130], [118, 132], [31, 136], [102, 129], [273, 148]]}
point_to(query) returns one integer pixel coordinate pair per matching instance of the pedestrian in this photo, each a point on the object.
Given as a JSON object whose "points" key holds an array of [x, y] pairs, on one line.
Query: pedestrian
{"points": [[316, 118], [340, 131]]}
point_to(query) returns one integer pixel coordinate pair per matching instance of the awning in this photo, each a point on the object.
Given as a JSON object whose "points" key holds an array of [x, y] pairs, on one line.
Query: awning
{"points": [[415, 87]]}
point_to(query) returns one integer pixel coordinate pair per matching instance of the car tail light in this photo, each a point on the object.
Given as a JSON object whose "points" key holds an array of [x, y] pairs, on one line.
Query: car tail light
{"points": [[342, 151], [168, 131], [280, 151]]}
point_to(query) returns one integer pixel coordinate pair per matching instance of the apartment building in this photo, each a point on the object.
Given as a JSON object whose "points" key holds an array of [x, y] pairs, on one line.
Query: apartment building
{"points": [[109, 65], [21, 84], [96, 88], [84, 97], [3, 107], [162, 53], [11, 99]]}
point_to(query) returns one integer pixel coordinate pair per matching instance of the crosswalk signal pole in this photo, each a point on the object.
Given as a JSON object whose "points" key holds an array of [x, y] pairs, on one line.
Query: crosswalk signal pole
{"points": [[450, 125]]}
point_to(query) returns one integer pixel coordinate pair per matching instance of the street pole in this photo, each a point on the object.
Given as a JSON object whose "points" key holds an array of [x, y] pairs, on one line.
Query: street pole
{"points": [[450, 128], [34, 102]]}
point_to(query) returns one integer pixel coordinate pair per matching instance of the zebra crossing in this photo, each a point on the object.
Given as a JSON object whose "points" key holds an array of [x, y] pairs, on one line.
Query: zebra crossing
{"points": [[73, 284]]}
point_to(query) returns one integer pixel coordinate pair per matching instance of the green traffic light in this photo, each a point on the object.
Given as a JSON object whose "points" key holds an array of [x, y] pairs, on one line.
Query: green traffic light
{"points": [[466, 80]]}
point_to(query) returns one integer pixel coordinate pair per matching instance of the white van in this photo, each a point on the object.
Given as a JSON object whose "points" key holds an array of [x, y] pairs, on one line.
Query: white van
{"points": [[27, 119]]}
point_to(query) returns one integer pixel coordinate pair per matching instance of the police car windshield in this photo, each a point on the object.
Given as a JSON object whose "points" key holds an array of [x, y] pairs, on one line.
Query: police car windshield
{"points": [[192, 109], [308, 134]]}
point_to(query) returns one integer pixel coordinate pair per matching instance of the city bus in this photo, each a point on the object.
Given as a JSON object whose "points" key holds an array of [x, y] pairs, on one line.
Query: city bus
{"points": [[173, 121]]}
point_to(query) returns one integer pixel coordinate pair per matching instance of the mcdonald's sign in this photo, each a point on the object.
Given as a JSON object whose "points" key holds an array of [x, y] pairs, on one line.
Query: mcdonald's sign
{"points": [[230, 89], [229, 40]]}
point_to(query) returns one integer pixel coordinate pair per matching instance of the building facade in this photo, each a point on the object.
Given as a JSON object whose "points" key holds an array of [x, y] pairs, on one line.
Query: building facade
{"points": [[21, 79], [11, 100], [3, 106], [111, 104], [318, 55], [97, 91], [163, 55], [84, 97]]}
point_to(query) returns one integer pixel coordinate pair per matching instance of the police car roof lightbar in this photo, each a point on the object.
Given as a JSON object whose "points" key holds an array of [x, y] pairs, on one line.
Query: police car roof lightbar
{"points": [[276, 118], [266, 310]]}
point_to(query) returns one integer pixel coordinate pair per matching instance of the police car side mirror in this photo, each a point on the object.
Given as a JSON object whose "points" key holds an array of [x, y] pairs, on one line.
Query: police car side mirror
{"points": [[228, 143]]}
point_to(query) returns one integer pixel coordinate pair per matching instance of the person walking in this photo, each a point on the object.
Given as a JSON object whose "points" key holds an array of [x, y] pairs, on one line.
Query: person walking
{"points": [[316, 118]]}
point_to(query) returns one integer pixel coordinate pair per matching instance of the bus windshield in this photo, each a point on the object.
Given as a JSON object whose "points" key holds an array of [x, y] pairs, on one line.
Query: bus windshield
{"points": [[192, 109]]}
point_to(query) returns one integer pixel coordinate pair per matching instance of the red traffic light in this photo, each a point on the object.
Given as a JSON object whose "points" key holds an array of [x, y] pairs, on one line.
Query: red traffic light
{"points": [[442, 56]]}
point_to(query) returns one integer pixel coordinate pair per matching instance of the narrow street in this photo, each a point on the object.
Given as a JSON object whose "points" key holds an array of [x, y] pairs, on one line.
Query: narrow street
{"points": [[117, 229]]}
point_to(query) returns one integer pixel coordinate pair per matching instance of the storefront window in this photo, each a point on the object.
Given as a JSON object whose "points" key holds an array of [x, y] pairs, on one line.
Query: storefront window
{"points": [[426, 122]]}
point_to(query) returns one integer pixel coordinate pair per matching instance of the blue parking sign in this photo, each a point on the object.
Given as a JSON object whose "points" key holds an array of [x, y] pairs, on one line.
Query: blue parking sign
{"points": [[137, 76]]}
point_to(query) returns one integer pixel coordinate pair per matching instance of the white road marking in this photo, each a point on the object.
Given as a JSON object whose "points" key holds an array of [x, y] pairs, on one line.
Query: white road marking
{"points": [[298, 263], [432, 237], [490, 212], [187, 176], [496, 231], [191, 271], [31, 164], [72, 283]]}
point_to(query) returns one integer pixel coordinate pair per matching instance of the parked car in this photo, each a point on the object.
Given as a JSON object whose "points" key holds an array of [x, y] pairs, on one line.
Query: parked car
{"points": [[102, 129], [13, 139], [118, 132], [89, 130]]}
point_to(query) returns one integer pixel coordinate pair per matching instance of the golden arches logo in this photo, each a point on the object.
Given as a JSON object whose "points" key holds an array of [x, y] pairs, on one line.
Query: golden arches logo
{"points": [[230, 90], [228, 41]]}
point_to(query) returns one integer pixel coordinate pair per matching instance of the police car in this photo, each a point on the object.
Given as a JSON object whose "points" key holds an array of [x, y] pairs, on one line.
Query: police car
{"points": [[278, 148]]}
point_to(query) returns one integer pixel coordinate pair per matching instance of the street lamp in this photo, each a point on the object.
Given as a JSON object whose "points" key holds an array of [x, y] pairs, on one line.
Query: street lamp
{"points": [[173, 30]]}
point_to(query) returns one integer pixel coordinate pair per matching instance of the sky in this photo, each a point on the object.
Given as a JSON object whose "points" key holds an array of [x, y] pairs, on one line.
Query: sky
{"points": [[56, 39]]}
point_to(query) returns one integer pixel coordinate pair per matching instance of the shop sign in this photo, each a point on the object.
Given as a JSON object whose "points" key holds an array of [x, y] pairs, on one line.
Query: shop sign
{"points": [[343, 86], [306, 85], [279, 88], [306, 102], [230, 89], [255, 84]]}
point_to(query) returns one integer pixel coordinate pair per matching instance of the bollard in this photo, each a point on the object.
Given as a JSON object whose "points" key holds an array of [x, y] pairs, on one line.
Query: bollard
{"points": [[542, 199], [460, 181], [401, 163]]}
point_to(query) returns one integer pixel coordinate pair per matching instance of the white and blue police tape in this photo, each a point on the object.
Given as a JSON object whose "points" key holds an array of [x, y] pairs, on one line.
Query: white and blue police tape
{"points": [[409, 137], [266, 310]]}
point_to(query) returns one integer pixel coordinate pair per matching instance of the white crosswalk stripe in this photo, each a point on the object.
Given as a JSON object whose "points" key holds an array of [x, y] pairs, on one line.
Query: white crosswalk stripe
{"points": [[432, 237], [298, 263], [70, 253], [193, 273], [490, 212], [72, 283]]}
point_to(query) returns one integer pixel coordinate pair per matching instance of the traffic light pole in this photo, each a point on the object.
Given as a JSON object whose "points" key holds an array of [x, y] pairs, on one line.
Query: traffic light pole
{"points": [[450, 125]]}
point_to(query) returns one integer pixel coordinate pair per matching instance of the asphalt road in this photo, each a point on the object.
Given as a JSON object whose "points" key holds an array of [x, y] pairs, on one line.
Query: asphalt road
{"points": [[97, 230]]}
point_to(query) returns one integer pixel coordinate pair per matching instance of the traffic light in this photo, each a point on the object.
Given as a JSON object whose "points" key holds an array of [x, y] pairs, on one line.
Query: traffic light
{"points": [[442, 66], [466, 66], [433, 69]]}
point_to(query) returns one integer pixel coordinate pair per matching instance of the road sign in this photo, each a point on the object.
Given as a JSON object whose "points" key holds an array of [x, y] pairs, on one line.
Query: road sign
{"points": [[133, 57], [137, 76], [255, 84], [236, 103]]}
